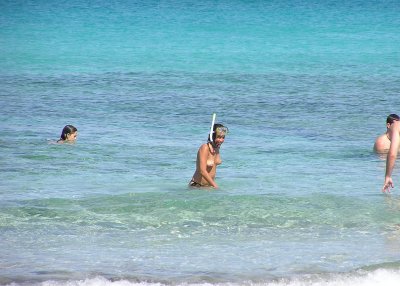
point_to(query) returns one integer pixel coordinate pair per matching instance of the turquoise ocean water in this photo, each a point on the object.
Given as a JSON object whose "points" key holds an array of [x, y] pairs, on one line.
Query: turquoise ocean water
{"points": [[304, 87]]}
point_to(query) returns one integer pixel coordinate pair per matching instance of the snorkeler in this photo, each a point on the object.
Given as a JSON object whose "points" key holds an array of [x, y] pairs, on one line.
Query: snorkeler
{"points": [[208, 157], [382, 143], [68, 134]]}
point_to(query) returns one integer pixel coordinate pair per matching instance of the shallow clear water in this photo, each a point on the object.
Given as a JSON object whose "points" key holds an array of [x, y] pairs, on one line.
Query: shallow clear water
{"points": [[304, 89]]}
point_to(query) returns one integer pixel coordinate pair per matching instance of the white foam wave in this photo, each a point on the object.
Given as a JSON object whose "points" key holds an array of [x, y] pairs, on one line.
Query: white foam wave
{"points": [[378, 277]]}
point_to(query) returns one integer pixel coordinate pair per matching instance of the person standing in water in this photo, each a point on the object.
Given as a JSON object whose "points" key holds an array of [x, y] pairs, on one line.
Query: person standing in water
{"points": [[68, 134], [382, 143], [208, 158], [394, 136]]}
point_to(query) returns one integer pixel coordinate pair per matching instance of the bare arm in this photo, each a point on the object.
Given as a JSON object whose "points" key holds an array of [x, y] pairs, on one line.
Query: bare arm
{"points": [[394, 134], [203, 155]]}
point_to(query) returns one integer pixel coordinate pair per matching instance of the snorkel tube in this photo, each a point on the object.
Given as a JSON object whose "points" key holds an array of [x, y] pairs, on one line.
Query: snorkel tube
{"points": [[212, 127]]}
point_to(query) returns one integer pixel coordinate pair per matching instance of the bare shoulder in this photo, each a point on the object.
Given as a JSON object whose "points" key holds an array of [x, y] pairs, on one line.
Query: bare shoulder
{"points": [[203, 148], [381, 138]]}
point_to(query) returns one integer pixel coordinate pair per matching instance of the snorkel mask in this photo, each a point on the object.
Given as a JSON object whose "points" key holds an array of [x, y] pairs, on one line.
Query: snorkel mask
{"points": [[216, 130], [221, 131]]}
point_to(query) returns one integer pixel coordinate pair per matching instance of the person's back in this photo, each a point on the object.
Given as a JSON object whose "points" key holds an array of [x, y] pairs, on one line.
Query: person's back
{"points": [[382, 143]]}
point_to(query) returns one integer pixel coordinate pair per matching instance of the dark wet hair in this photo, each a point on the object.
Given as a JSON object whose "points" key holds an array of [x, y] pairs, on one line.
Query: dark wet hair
{"points": [[214, 135], [68, 129], [392, 117]]}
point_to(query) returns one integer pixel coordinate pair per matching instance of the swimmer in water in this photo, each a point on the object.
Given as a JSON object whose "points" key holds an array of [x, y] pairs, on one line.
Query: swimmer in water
{"points": [[382, 143], [208, 158], [68, 134]]}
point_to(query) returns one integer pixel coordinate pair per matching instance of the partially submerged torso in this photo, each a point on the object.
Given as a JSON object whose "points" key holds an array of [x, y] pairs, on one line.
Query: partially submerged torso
{"points": [[382, 144], [213, 160]]}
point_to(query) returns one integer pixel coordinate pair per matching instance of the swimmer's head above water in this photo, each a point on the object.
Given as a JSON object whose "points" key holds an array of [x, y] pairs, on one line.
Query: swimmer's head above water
{"points": [[68, 134], [392, 118], [218, 135]]}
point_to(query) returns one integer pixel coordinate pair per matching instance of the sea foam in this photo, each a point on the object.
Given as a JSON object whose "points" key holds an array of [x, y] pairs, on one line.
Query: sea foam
{"points": [[377, 277]]}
